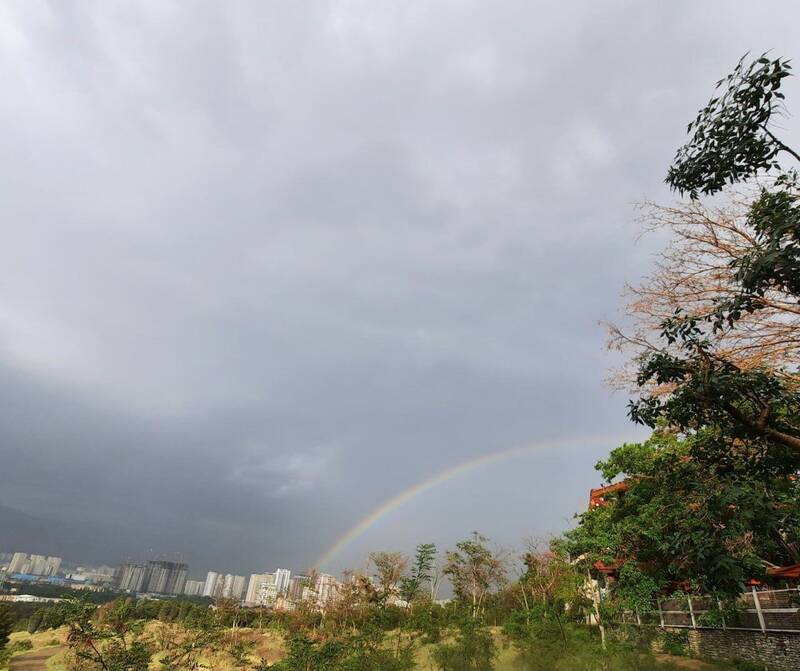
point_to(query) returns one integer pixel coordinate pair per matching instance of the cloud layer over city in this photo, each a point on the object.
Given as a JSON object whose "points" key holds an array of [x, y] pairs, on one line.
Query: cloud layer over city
{"points": [[268, 265]]}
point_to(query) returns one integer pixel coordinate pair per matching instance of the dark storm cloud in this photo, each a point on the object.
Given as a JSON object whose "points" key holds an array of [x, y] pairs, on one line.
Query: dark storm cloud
{"points": [[266, 266]]}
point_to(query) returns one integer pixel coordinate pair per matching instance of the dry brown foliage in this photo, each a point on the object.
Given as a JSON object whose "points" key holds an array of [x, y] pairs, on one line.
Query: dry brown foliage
{"points": [[694, 272]]}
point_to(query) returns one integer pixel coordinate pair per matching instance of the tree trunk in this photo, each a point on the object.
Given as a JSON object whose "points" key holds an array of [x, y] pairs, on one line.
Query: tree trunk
{"points": [[596, 603]]}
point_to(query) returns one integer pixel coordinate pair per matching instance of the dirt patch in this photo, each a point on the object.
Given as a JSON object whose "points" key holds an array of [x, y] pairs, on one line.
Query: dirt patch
{"points": [[686, 663], [36, 660]]}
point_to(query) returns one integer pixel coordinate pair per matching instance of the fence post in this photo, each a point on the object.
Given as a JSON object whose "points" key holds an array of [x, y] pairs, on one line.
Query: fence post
{"points": [[758, 611], [721, 614], [638, 618], [660, 613], [691, 612]]}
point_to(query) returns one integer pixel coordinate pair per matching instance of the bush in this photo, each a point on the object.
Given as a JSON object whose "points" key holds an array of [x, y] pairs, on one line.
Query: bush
{"points": [[35, 621], [135, 657], [718, 618], [742, 665], [473, 650], [674, 642], [360, 652], [21, 646], [428, 620]]}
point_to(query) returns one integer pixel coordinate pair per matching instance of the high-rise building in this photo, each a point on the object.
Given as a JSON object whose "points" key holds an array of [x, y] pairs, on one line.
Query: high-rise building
{"points": [[53, 565], [19, 563], [194, 587], [233, 587], [132, 577], [166, 577], [227, 586], [327, 588], [259, 588], [34, 564], [239, 587], [211, 587], [38, 565], [282, 578], [296, 585]]}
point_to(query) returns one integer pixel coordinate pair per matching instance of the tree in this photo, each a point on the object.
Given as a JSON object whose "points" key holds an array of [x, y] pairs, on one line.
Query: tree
{"points": [[204, 630], [389, 567], [732, 140], [354, 598], [474, 569], [6, 625], [473, 650], [550, 585], [357, 651], [104, 638], [696, 271], [421, 574], [35, 621], [685, 519]]}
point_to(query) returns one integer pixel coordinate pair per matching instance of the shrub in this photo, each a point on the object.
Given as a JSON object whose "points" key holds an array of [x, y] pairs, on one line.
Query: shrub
{"points": [[674, 642], [21, 646], [474, 649]]}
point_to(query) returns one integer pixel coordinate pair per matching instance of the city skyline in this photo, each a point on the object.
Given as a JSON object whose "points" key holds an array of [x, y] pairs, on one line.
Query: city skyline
{"points": [[50, 566], [278, 589]]}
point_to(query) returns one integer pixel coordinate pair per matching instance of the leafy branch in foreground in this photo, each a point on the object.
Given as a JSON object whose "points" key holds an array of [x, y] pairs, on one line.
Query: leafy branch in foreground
{"points": [[731, 139]]}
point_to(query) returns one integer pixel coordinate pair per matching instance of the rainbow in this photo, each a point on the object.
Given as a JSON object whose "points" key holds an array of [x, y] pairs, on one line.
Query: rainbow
{"points": [[448, 474]]}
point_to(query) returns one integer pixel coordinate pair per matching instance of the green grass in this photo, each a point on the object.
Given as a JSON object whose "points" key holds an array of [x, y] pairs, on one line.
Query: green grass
{"points": [[582, 658]]}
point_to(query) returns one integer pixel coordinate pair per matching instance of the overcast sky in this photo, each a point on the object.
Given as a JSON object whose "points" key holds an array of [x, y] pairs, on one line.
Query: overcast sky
{"points": [[267, 265]]}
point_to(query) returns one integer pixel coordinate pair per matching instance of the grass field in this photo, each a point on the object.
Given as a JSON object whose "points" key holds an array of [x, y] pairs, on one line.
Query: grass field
{"points": [[45, 639], [41, 639], [57, 662], [269, 645]]}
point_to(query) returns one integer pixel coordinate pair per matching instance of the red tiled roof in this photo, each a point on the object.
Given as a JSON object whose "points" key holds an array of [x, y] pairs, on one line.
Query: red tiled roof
{"points": [[788, 572], [597, 497], [606, 568]]}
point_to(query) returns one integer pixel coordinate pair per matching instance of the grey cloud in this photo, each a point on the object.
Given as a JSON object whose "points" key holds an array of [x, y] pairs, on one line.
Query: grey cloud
{"points": [[266, 266]]}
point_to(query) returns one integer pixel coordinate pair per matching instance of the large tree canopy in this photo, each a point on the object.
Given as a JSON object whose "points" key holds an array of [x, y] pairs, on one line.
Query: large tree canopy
{"points": [[687, 518], [730, 141], [712, 498]]}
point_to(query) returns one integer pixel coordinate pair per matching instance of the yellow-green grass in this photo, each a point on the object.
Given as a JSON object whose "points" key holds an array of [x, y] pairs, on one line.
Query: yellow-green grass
{"points": [[57, 662], [39, 640], [269, 645], [506, 659]]}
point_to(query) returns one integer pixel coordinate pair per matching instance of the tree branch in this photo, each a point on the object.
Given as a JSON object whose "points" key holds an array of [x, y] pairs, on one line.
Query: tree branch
{"points": [[781, 145]]}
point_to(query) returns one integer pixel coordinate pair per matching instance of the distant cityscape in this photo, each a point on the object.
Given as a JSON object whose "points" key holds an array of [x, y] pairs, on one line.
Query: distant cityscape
{"points": [[278, 589]]}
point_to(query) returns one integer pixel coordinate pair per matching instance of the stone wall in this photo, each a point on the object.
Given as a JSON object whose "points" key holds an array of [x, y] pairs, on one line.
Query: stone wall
{"points": [[779, 651]]}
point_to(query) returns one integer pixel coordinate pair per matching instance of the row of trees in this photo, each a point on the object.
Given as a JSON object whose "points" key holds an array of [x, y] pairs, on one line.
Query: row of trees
{"points": [[379, 621], [473, 569]]}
